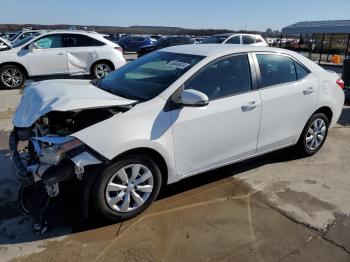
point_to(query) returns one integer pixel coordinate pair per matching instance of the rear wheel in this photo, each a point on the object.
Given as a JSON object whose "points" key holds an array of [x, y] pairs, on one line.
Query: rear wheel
{"points": [[11, 76], [126, 188], [101, 69], [314, 135]]}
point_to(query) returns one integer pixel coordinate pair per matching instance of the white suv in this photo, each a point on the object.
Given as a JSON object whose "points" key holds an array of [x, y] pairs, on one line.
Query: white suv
{"points": [[229, 38], [59, 53]]}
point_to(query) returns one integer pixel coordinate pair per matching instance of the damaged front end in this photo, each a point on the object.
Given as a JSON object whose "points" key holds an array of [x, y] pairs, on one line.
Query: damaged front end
{"points": [[48, 152]]}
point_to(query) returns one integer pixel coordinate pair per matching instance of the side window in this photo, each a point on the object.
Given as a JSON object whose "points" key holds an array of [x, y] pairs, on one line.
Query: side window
{"points": [[225, 77], [248, 39], [301, 71], [276, 69], [234, 40], [75, 40], [49, 41]]}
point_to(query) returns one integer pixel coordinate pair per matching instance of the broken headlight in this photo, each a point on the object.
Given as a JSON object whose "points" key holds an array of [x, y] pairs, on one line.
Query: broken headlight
{"points": [[53, 149]]}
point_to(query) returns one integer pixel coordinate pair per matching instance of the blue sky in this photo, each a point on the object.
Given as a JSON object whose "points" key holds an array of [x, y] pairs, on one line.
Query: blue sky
{"points": [[229, 14]]}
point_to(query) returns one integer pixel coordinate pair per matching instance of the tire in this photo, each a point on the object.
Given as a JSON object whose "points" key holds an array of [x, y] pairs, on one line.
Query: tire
{"points": [[305, 146], [101, 69], [104, 193], [11, 77]]}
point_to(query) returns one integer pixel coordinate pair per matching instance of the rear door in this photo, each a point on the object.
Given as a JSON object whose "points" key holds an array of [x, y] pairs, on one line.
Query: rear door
{"points": [[289, 96], [48, 56], [81, 53]]}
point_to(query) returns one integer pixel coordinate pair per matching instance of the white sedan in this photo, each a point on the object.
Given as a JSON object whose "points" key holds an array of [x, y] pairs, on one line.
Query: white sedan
{"points": [[59, 53], [169, 115]]}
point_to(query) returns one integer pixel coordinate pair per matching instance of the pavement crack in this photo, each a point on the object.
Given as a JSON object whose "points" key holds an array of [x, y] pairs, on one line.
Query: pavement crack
{"points": [[335, 244], [269, 204]]}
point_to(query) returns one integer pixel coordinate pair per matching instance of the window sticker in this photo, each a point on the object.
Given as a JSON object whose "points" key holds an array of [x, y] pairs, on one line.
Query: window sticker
{"points": [[178, 64]]}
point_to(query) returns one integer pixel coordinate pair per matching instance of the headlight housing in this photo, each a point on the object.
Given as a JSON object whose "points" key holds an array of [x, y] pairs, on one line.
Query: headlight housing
{"points": [[54, 148]]}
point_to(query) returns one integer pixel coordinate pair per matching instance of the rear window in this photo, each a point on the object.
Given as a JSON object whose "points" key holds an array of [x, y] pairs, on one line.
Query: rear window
{"points": [[76, 40], [216, 39], [248, 39], [301, 71], [276, 69]]}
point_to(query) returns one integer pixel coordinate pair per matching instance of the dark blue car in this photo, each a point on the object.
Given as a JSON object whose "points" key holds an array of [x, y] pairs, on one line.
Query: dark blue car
{"points": [[133, 43]]}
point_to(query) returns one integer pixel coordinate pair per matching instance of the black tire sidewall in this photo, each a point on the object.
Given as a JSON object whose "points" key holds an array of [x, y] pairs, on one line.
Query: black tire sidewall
{"points": [[302, 141], [2, 69], [98, 201]]}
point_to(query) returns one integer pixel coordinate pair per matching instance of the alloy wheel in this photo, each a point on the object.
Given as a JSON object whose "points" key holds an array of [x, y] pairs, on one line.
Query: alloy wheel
{"points": [[316, 134], [11, 77], [102, 70], [129, 188]]}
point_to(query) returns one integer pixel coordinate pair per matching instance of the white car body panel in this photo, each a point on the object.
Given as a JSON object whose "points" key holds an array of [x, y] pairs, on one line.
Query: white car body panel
{"points": [[41, 62], [67, 60], [192, 140], [229, 132], [280, 119]]}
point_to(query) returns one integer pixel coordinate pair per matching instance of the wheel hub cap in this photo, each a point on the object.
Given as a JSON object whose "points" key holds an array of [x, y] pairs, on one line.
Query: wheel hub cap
{"points": [[316, 134], [102, 70], [129, 188], [11, 77]]}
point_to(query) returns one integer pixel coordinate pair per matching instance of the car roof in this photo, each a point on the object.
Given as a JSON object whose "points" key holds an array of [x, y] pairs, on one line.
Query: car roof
{"points": [[214, 49]]}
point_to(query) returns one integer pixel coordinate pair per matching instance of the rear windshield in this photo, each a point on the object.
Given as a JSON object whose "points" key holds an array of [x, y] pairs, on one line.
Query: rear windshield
{"points": [[148, 76], [215, 39]]}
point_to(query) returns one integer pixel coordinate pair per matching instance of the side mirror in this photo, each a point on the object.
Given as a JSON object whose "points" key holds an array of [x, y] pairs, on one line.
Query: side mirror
{"points": [[193, 98]]}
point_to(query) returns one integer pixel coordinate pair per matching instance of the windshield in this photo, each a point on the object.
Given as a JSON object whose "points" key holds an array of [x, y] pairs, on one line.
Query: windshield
{"points": [[148, 76], [215, 39], [15, 36], [23, 41]]}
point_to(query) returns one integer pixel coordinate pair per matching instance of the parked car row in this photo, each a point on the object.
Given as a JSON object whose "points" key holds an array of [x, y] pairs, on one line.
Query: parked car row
{"points": [[58, 53], [32, 53]]}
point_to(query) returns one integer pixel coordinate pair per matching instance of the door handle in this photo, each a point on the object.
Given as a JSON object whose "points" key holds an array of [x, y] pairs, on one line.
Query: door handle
{"points": [[60, 53], [308, 91], [250, 106]]}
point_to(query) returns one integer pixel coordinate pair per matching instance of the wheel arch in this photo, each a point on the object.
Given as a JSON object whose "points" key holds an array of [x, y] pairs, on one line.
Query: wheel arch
{"points": [[327, 111], [151, 153], [16, 64]]}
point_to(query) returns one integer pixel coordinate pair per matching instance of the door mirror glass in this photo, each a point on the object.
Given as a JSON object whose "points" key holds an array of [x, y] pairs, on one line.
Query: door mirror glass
{"points": [[193, 98]]}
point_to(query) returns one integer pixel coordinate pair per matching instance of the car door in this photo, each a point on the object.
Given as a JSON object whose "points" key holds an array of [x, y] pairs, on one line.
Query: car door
{"points": [[227, 128], [81, 53], [48, 56], [289, 96]]}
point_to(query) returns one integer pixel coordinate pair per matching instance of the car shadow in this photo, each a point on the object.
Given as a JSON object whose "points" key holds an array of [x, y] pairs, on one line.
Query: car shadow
{"points": [[65, 213]]}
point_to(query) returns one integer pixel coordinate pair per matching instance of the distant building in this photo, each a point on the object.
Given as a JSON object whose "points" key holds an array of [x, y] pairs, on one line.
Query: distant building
{"points": [[320, 38]]}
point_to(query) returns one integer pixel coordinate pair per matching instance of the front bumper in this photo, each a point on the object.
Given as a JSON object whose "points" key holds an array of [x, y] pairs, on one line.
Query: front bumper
{"points": [[28, 172]]}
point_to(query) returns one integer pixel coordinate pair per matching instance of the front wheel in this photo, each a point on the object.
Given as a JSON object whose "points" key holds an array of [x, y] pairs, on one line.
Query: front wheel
{"points": [[126, 188], [11, 77], [101, 69], [314, 135]]}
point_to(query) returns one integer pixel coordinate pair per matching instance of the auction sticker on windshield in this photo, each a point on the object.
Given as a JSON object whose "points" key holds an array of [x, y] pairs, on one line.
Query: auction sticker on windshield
{"points": [[178, 64]]}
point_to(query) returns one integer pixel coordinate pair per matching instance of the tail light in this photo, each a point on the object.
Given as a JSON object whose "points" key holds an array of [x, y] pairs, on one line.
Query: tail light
{"points": [[340, 83], [118, 48]]}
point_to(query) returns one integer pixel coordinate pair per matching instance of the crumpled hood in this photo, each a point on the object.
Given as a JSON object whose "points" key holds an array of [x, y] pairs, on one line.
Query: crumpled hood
{"points": [[61, 95]]}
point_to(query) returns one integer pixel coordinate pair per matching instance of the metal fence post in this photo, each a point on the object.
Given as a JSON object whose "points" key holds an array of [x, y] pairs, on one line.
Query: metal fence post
{"points": [[330, 46], [321, 50]]}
